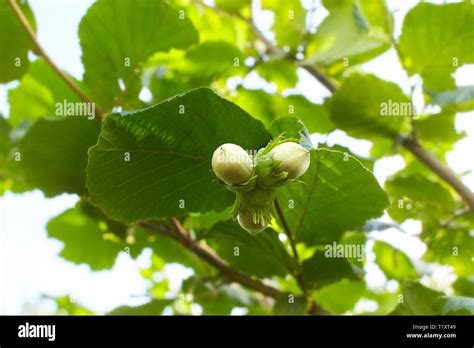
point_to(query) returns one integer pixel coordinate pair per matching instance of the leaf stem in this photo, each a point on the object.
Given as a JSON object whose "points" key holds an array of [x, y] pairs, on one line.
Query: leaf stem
{"points": [[41, 52], [286, 228], [299, 275]]}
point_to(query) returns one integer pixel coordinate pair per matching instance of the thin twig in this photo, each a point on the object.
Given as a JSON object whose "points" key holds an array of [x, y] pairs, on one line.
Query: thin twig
{"points": [[69, 82], [286, 229], [249, 21], [444, 172], [321, 77], [299, 276], [452, 218]]}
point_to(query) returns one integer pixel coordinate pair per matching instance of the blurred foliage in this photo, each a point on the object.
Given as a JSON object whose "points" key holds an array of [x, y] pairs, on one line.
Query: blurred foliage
{"points": [[174, 76]]}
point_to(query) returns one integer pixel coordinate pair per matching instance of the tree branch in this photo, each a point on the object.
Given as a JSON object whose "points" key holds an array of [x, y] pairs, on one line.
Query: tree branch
{"points": [[323, 79], [180, 235], [207, 255], [69, 82], [268, 44], [444, 172]]}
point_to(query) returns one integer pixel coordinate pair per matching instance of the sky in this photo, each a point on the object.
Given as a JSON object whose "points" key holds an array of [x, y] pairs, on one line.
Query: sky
{"points": [[29, 261]]}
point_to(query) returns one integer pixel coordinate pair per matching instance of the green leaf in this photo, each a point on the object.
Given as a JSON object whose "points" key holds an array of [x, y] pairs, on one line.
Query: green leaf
{"points": [[280, 72], [417, 300], [386, 301], [14, 42], [257, 103], [38, 94], [216, 299], [346, 37], [367, 107], [323, 269], [69, 307], [366, 162], [202, 222], [262, 255], [452, 246], [435, 40], [377, 14], [165, 250], [5, 142], [291, 128], [464, 286], [393, 262], [115, 44], [154, 307], [355, 242], [165, 87], [336, 194], [214, 59], [416, 196], [11, 171], [54, 154], [455, 305], [290, 304], [212, 26], [438, 130], [170, 147], [176, 72], [289, 23], [340, 297], [269, 107], [315, 117], [232, 5], [84, 239], [459, 99]]}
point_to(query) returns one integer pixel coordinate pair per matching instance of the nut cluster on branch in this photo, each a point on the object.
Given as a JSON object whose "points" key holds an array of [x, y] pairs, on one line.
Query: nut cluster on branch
{"points": [[254, 179]]}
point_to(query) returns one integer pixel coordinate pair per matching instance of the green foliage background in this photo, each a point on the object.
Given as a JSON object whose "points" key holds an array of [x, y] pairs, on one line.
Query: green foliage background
{"points": [[143, 171]]}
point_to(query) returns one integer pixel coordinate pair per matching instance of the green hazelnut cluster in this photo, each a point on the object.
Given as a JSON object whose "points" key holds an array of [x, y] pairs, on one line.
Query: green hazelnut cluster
{"points": [[254, 179]]}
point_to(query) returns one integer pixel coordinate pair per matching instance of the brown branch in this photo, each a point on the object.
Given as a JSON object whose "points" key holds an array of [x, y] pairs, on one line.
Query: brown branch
{"points": [[69, 82], [268, 44], [444, 172], [321, 77], [180, 235]]}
